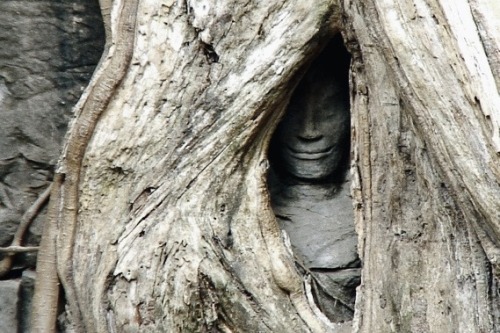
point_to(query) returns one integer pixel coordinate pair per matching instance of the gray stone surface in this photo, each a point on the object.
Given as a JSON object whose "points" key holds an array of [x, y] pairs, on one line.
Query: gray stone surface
{"points": [[25, 298], [48, 51], [320, 225], [9, 303]]}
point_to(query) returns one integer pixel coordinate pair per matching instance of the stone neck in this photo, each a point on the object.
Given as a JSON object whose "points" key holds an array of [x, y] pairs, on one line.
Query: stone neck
{"points": [[309, 191]]}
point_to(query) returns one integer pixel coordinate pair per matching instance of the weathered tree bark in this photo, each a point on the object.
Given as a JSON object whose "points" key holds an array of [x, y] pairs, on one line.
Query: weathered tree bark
{"points": [[162, 221], [425, 111]]}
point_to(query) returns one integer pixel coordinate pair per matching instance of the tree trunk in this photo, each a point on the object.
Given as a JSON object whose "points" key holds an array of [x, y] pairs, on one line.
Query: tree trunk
{"points": [[425, 111], [163, 222]]}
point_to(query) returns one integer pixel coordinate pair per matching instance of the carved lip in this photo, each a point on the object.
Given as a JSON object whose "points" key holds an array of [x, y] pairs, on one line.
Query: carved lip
{"points": [[310, 155]]}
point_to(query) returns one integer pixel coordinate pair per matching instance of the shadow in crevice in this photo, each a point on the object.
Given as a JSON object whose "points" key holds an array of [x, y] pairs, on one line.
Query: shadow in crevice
{"points": [[309, 183]]}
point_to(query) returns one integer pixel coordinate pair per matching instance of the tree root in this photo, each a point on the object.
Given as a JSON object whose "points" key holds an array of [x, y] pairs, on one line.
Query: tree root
{"points": [[15, 245], [55, 258], [13, 249]]}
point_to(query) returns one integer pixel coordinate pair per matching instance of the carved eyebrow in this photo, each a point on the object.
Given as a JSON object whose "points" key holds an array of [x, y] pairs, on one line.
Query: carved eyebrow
{"points": [[335, 91]]}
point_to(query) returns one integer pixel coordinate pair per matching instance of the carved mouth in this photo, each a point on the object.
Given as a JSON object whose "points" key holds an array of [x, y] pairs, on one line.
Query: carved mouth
{"points": [[310, 155]]}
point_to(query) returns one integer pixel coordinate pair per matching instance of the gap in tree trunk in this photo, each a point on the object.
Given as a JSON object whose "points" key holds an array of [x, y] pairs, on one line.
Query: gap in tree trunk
{"points": [[310, 185]]}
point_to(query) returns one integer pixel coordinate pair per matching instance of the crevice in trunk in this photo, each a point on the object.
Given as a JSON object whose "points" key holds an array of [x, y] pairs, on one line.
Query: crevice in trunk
{"points": [[309, 182]]}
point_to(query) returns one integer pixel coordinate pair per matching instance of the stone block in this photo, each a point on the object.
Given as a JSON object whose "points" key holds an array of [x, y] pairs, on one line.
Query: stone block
{"points": [[9, 304], [26, 296]]}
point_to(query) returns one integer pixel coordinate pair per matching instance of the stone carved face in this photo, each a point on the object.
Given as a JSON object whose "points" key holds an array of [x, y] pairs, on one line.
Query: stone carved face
{"points": [[312, 139]]}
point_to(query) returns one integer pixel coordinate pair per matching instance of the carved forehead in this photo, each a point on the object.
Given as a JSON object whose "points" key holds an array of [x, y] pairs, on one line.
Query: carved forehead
{"points": [[331, 65], [327, 76], [320, 85]]}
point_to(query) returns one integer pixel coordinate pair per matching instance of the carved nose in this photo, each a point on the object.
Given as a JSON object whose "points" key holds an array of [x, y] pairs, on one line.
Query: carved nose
{"points": [[310, 136], [309, 130]]}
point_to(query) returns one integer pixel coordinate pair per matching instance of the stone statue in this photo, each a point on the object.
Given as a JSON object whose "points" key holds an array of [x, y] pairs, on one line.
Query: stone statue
{"points": [[309, 184]]}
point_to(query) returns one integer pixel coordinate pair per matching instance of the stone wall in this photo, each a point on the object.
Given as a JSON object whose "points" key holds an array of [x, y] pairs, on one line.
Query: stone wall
{"points": [[48, 51]]}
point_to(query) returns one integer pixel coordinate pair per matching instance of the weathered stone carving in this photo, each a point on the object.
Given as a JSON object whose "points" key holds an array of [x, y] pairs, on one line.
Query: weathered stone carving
{"points": [[309, 183]]}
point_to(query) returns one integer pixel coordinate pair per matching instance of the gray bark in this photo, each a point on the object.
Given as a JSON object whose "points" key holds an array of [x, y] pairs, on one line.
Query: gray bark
{"points": [[170, 226]]}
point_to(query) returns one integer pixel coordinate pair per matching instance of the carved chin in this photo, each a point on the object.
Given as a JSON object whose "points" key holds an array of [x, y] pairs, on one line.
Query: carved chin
{"points": [[315, 169]]}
